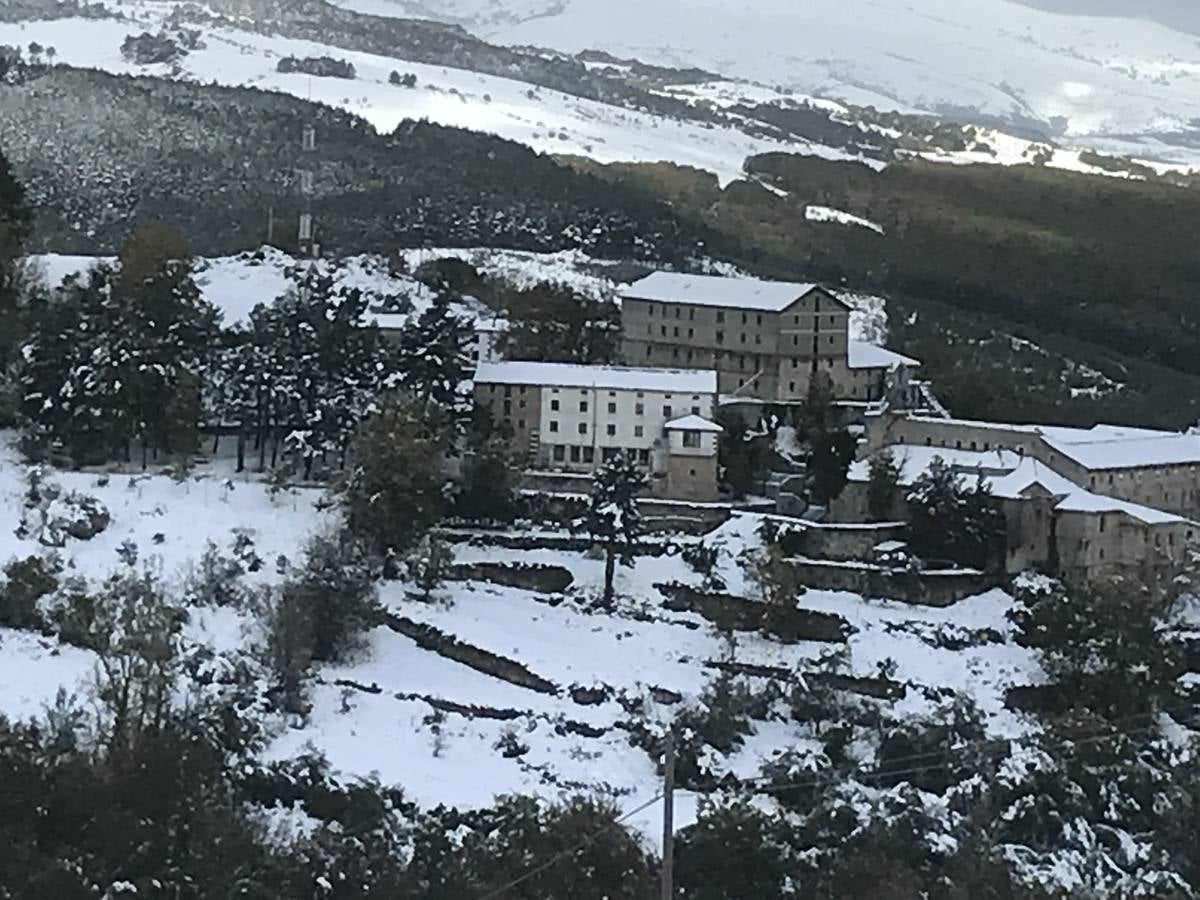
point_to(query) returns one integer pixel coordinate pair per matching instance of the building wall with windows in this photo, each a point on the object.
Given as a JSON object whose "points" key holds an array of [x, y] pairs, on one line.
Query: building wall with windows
{"points": [[570, 419]]}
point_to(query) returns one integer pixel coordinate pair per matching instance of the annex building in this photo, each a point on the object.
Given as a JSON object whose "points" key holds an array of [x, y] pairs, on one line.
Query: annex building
{"points": [[765, 339], [570, 418], [1089, 504]]}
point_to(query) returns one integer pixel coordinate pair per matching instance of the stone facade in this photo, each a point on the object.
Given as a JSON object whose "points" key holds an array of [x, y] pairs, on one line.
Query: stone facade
{"points": [[771, 350], [1107, 460]]}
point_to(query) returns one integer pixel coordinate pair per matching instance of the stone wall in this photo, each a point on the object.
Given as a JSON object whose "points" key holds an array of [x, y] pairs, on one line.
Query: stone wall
{"points": [[925, 588]]}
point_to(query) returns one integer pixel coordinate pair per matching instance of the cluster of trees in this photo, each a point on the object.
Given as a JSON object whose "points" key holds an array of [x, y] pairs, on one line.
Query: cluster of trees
{"points": [[317, 66], [423, 185], [130, 358]]}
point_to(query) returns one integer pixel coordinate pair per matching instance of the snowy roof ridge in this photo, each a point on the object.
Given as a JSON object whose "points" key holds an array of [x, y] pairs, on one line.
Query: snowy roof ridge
{"points": [[720, 290], [694, 423], [545, 374], [865, 355]]}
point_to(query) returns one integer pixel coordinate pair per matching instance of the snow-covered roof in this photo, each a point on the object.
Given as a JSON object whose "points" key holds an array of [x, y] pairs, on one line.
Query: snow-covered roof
{"points": [[864, 355], [1010, 475], [714, 290], [681, 381], [1118, 447], [693, 423], [913, 460], [1074, 498]]}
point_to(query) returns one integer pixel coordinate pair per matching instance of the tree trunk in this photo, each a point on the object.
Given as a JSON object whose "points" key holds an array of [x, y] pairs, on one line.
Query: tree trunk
{"points": [[610, 568], [241, 450]]}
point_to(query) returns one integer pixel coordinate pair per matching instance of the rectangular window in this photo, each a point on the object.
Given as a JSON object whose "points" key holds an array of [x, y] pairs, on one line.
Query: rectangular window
{"points": [[649, 352], [695, 410], [611, 430], [758, 320], [691, 439], [612, 409], [745, 318], [583, 406], [679, 312], [508, 390], [644, 457], [560, 453], [554, 426], [521, 424], [676, 331], [554, 406], [720, 337], [589, 454], [692, 315], [663, 328], [758, 339], [638, 431], [639, 409], [609, 453], [583, 427], [691, 332], [650, 310], [666, 412], [720, 317], [508, 407], [743, 337], [574, 453]]}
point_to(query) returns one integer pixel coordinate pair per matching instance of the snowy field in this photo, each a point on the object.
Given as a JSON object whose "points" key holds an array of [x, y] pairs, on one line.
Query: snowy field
{"points": [[382, 718]]}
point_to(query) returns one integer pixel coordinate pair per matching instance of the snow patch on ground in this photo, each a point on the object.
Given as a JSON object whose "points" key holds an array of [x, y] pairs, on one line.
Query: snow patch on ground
{"points": [[826, 214]]}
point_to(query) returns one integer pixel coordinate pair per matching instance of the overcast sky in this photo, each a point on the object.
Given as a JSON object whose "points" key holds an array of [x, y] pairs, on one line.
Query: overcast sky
{"points": [[1183, 15]]}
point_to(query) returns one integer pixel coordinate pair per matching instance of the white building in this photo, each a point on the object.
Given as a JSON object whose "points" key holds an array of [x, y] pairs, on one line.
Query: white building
{"points": [[570, 418]]}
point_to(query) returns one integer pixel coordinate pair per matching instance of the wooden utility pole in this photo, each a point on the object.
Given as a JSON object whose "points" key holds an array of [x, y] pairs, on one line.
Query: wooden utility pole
{"points": [[668, 854]]}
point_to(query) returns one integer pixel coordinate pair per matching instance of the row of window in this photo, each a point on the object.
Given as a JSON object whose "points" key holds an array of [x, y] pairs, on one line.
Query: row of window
{"points": [[585, 454], [720, 315], [639, 409], [610, 430]]}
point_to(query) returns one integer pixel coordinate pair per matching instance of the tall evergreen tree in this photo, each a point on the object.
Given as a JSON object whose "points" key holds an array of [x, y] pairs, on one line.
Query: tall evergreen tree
{"points": [[15, 223], [433, 359], [614, 519]]}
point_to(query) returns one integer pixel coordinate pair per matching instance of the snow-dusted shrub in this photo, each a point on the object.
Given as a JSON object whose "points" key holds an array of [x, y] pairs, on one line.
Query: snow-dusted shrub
{"points": [[25, 583], [148, 49]]}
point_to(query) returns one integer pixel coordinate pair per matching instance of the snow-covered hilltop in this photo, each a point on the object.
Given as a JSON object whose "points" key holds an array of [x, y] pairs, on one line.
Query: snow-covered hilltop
{"points": [[1106, 82]]}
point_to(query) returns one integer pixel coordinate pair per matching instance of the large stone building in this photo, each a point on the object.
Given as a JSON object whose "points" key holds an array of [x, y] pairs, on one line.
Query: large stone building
{"points": [[765, 339], [568, 419], [1063, 517], [1160, 469]]}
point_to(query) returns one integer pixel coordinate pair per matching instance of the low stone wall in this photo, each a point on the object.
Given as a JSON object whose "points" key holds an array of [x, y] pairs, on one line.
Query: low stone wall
{"points": [[529, 577], [933, 588], [847, 542], [731, 613], [658, 514]]}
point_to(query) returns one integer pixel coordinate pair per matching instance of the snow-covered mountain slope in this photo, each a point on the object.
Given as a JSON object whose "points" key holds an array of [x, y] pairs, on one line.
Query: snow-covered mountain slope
{"points": [[548, 121], [642, 127], [1104, 81]]}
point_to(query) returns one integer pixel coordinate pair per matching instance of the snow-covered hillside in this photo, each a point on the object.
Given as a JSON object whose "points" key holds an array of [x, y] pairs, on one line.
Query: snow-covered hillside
{"points": [[236, 284], [386, 714], [546, 120], [561, 123], [1119, 84]]}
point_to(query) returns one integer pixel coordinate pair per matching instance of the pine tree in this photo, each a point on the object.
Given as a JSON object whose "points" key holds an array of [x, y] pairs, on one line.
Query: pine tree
{"points": [[15, 222], [827, 445], [433, 358], [883, 486], [614, 519], [949, 520], [395, 490]]}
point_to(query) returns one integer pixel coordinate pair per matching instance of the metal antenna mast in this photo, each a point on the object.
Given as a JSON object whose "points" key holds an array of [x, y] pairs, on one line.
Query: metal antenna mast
{"points": [[307, 234]]}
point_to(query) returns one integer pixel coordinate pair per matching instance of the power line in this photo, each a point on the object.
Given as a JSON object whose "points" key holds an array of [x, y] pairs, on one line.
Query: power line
{"points": [[936, 762], [571, 851]]}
